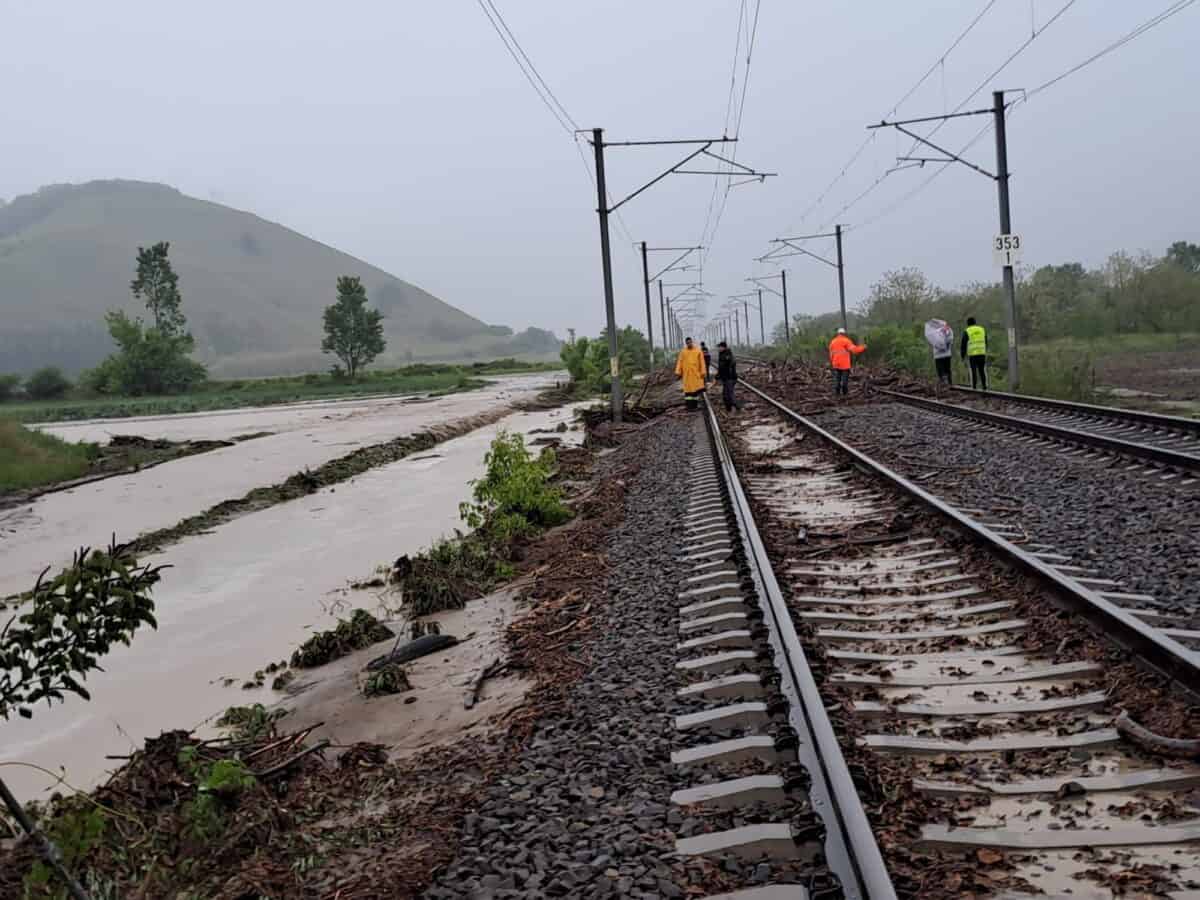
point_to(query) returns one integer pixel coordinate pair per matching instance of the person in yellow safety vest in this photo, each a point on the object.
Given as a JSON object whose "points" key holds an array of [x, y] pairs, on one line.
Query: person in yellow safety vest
{"points": [[974, 351], [690, 367]]}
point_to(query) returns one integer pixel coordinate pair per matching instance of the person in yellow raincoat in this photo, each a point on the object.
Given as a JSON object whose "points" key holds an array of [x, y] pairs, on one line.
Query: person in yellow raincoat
{"points": [[690, 367]]}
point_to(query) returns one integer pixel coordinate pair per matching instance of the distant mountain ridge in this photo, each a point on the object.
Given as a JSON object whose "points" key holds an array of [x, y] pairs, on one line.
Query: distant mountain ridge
{"points": [[253, 290]]}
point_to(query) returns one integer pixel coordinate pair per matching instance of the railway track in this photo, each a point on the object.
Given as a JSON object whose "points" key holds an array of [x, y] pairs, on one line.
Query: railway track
{"points": [[1164, 442], [992, 756]]}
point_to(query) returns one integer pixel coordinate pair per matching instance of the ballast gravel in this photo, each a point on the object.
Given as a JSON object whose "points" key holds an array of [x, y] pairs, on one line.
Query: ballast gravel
{"points": [[585, 812], [1130, 526]]}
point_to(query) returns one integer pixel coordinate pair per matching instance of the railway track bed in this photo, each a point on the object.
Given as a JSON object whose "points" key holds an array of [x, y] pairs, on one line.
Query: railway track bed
{"points": [[980, 719]]}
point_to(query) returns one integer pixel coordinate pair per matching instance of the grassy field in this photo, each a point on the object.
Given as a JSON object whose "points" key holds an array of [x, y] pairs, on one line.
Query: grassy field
{"points": [[216, 395], [29, 458]]}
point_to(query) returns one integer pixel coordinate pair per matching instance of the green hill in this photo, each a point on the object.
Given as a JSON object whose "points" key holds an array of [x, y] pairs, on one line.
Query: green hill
{"points": [[253, 291]]}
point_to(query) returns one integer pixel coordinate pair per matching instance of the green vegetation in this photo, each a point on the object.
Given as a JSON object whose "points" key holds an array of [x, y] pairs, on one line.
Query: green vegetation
{"points": [[219, 785], [587, 360], [353, 333], [47, 384], [68, 623], [47, 650], [250, 723], [513, 502], [254, 289], [214, 395], [30, 459], [361, 630], [8, 387], [75, 832], [388, 679], [150, 359], [1069, 317]]}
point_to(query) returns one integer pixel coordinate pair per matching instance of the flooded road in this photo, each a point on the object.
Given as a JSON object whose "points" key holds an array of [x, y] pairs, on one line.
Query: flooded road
{"points": [[307, 435], [246, 594]]}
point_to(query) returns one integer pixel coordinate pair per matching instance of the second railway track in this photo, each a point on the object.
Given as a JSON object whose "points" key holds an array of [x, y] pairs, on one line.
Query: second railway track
{"points": [[979, 722]]}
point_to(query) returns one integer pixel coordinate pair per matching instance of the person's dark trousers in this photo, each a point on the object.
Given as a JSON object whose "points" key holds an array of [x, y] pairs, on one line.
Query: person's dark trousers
{"points": [[942, 364], [841, 382], [727, 395], [978, 371]]}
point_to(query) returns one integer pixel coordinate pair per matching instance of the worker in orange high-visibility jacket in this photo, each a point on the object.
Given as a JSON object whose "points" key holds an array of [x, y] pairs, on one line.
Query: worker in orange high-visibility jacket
{"points": [[691, 369], [840, 349]]}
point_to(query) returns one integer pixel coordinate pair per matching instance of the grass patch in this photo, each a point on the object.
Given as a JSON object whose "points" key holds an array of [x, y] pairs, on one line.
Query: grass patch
{"points": [[219, 395], [361, 630], [31, 459], [238, 393]]}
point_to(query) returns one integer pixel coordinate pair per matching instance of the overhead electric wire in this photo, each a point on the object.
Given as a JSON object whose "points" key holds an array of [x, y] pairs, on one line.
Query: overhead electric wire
{"points": [[532, 67], [565, 121], [1136, 32], [870, 138], [545, 94], [1034, 34], [753, 33], [1117, 44], [733, 67]]}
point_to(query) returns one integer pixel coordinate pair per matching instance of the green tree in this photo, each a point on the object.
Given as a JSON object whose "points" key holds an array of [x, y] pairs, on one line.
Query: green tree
{"points": [[158, 285], [149, 359], [47, 384], [1186, 255], [901, 297], [8, 386], [353, 333]]}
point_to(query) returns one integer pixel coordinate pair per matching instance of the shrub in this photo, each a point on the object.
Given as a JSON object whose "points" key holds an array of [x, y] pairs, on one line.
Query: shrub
{"points": [[250, 723], [8, 386], [513, 500], [100, 600], [47, 384], [389, 679], [515, 494], [361, 630]]}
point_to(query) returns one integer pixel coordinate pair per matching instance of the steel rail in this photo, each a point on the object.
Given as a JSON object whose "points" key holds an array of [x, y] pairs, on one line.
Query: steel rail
{"points": [[1164, 654], [1092, 410], [1148, 452], [850, 847]]}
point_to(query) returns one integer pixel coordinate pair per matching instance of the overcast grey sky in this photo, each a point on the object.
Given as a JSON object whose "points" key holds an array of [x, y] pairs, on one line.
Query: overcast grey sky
{"points": [[404, 133]]}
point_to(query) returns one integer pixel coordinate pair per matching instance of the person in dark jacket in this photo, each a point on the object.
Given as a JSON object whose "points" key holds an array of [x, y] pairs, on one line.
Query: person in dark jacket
{"points": [[727, 375], [707, 361]]}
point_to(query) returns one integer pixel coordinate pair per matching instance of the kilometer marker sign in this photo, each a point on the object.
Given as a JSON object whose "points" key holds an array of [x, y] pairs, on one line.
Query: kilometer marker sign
{"points": [[1006, 249]]}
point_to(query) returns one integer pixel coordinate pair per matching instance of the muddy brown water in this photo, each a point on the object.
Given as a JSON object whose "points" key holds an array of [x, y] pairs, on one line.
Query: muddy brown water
{"points": [[45, 532], [248, 592]]}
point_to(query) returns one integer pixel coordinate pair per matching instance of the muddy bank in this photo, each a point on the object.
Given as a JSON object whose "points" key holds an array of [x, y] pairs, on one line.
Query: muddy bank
{"points": [[246, 593], [352, 821]]}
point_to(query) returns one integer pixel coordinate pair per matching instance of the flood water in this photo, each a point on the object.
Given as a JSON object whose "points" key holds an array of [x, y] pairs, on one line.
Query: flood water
{"points": [[249, 591], [46, 532]]}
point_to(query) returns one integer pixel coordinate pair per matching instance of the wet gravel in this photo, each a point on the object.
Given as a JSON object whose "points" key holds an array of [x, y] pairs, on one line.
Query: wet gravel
{"points": [[584, 813], [1129, 526]]}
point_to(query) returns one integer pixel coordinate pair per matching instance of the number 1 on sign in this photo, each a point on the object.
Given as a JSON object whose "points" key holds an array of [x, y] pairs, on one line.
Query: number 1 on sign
{"points": [[1006, 249]]}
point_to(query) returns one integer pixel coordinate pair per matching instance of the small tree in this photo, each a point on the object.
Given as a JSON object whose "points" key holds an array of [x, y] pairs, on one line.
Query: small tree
{"points": [[151, 359], [353, 333], [158, 285], [8, 386], [47, 384], [100, 600]]}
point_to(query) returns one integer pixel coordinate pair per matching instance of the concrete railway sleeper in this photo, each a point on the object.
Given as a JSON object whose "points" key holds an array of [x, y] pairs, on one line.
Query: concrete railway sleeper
{"points": [[759, 737], [1015, 754]]}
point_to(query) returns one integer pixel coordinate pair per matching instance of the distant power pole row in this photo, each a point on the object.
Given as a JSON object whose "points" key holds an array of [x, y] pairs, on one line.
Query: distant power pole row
{"points": [[604, 210]]}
